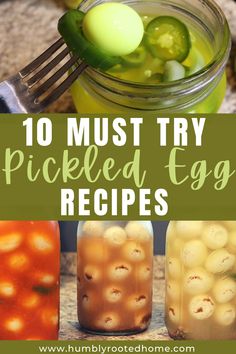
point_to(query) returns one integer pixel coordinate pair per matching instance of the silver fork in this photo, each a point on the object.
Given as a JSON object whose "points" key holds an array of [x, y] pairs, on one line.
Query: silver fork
{"points": [[41, 82]]}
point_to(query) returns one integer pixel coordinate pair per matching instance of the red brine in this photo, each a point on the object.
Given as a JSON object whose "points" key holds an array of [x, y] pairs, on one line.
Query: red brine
{"points": [[29, 280]]}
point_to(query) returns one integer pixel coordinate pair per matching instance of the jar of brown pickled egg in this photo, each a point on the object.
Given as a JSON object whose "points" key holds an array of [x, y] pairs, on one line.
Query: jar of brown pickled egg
{"points": [[201, 280], [29, 280], [115, 276]]}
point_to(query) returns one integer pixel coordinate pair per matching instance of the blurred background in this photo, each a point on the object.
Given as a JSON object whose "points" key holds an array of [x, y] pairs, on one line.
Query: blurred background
{"points": [[28, 27]]}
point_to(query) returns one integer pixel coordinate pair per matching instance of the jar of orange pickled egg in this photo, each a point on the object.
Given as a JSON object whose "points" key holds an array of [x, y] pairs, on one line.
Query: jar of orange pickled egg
{"points": [[29, 280], [115, 276], [201, 280]]}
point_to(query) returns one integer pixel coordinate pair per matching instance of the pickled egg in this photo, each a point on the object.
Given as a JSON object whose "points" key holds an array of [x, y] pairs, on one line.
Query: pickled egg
{"points": [[174, 267], [224, 290], [225, 314], [89, 301], [201, 307], [137, 301], [138, 232], [189, 229], [142, 320], [133, 252], [115, 236], [173, 289], [93, 228], [41, 243], [215, 236], [108, 321], [19, 262], [7, 289], [119, 271], [174, 313], [230, 224], [144, 272], [194, 253], [198, 281], [49, 316], [14, 324], [30, 300], [95, 253], [46, 279], [10, 242], [113, 294], [232, 241], [177, 245], [220, 261], [114, 28], [92, 273]]}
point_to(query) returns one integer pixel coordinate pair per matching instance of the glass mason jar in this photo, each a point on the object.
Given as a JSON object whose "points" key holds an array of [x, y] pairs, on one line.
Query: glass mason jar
{"points": [[29, 280], [115, 276], [201, 280], [202, 92]]}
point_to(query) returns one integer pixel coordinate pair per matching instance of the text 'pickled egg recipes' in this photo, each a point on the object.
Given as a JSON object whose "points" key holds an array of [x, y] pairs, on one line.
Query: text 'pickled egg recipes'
{"points": [[113, 167]]}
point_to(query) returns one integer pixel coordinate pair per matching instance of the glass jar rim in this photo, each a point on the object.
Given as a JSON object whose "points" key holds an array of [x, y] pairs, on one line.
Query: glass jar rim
{"points": [[211, 70]]}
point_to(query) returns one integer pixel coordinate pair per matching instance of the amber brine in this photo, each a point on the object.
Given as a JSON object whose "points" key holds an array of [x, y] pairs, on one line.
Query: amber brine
{"points": [[115, 276]]}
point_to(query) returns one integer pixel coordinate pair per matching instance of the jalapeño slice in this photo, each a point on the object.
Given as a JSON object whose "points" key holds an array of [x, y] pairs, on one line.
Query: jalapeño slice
{"points": [[70, 28], [167, 38]]}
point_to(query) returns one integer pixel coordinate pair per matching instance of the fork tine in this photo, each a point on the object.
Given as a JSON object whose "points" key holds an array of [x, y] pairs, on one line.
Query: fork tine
{"points": [[41, 59], [46, 69], [54, 78], [54, 95]]}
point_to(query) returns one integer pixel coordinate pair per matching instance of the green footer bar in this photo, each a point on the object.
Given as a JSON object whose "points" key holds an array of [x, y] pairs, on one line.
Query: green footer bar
{"points": [[104, 347]]}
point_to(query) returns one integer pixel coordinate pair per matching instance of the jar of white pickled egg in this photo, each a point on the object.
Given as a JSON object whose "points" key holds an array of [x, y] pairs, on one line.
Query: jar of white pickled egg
{"points": [[201, 280], [115, 276], [29, 280]]}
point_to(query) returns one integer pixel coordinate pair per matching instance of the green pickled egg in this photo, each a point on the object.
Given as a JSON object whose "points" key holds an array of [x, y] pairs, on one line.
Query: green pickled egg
{"points": [[113, 27]]}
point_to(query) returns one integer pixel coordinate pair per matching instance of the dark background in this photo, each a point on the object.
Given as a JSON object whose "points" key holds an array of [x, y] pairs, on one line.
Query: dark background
{"points": [[69, 231]]}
